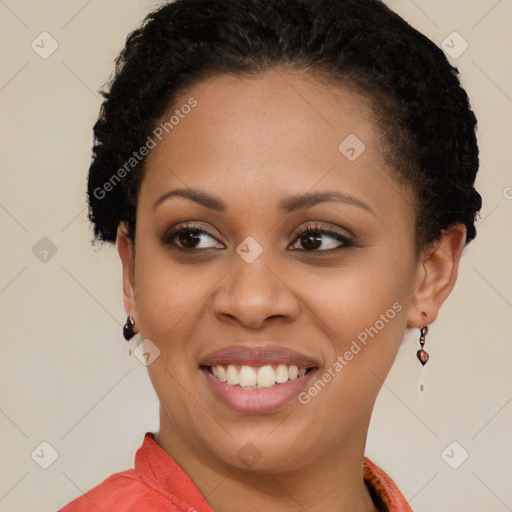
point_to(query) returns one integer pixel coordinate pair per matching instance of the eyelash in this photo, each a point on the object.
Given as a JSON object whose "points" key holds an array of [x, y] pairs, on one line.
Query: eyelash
{"points": [[315, 230], [318, 230]]}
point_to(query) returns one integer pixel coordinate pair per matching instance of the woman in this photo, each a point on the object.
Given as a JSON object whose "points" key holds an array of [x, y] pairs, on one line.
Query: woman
{"points": [[290, 188]]}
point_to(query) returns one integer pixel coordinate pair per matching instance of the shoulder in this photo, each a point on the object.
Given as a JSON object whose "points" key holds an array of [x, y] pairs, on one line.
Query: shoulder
{"points": [[120, 492], [155, 483]]}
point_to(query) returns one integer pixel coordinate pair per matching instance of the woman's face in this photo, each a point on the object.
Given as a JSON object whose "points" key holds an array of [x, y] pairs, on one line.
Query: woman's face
{"points": [[267, 157]]}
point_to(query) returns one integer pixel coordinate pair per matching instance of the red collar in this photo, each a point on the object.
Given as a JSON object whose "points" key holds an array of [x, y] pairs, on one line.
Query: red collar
{"points": [[159, 471]]}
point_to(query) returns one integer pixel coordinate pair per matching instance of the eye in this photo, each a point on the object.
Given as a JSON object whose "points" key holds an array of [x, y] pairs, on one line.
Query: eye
{"points": [[190, 237], [320, 239]]}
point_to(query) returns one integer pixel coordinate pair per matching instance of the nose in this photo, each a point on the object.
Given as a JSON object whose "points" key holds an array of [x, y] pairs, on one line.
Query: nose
{"points": [[252, 294]]}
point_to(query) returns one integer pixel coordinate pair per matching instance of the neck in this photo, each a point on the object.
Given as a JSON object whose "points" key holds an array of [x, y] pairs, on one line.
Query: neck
{"points": [[330, 481]]}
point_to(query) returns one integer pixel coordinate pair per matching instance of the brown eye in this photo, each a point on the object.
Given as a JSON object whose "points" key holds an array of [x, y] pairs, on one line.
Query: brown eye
{"points": [[311, 241], [190, 238], [318, 239]]}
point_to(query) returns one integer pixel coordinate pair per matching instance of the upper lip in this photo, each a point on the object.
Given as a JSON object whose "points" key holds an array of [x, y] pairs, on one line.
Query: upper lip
{"points": [[257, 356]]}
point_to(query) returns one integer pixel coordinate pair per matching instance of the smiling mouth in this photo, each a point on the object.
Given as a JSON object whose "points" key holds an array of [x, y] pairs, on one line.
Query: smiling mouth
{"points": [[256, 377]]}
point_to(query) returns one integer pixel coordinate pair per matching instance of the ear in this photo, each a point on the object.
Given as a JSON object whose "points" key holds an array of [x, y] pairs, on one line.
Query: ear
{"points": [[436, 277], [126, 251]]}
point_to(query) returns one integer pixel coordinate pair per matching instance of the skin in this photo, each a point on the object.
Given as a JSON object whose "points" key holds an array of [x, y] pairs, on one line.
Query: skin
{"points": [[253, 141]]}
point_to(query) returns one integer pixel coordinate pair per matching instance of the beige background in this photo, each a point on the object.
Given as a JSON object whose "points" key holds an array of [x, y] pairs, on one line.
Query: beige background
{"points": [[66, 376]]}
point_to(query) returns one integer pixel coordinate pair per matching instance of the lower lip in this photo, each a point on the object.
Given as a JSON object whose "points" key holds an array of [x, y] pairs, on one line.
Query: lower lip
{"points": [[258, 401]]}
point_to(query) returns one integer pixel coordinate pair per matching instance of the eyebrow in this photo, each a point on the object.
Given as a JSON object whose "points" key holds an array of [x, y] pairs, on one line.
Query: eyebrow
{"points": [[310, 199], [202, 198], [289, 204]]}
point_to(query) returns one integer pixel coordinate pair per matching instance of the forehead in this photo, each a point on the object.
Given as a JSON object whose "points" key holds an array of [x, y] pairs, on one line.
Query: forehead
{"points": [[256, 138]]}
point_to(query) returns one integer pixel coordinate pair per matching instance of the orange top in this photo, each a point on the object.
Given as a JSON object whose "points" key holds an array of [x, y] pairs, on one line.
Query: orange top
{"points": [[158, 483]]}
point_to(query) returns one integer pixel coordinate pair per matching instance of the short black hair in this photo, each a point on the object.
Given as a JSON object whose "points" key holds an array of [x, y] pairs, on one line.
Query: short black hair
{"points": [[424, 114]]}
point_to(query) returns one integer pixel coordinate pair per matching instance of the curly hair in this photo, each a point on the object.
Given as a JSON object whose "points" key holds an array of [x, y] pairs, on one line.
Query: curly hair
{"points": [[423, 113]]}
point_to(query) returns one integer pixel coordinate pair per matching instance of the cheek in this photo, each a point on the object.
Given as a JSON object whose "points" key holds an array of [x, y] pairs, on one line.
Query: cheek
{"points": [[165, 293], [354, 297], [362, 314], [171, 301]]}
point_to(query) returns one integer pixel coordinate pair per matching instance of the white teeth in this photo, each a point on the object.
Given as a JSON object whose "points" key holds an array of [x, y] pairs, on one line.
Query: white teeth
{"points": [[247, 376], [221, 373], [266, 376], [257, 377], [232, 375], [282, 373]]}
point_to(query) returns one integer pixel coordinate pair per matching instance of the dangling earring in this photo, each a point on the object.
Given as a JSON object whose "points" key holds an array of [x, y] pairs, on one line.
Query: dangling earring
{"points": [[128, 331], [421, 354]]}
